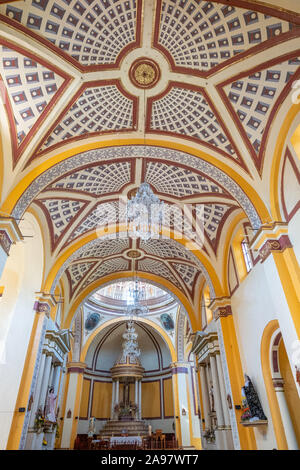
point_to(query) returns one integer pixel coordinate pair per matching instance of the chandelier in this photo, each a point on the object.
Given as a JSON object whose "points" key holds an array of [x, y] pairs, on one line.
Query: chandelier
{"points": [[136, 308], [145, 214], [130, 345]]}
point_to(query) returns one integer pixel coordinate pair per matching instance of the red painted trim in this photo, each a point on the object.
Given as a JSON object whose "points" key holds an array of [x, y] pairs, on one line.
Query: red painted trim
{"points": [[259, 159], [232, 291], [288, 156]]}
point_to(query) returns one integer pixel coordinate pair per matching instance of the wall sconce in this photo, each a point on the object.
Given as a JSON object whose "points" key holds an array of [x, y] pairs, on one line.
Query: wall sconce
{"points": [[183, 412]]}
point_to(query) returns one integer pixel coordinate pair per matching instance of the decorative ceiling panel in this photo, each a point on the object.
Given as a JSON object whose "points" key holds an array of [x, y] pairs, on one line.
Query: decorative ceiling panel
{"points": [[158, 268], [165, 248], [33, 86], [179, 182], [76, 272], [96, 179], [106, 248], [214, 216], [59, 214], [201, 35], [107, 267], [187, 273], [254, 97], [91, 32], [98, 109], [103, 215], [186, 111]]}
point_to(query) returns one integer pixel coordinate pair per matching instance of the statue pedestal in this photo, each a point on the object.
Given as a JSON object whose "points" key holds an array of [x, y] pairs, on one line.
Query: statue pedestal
{"points": [[259, 422]]}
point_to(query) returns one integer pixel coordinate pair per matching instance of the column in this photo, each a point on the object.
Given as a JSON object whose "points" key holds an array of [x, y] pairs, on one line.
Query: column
{"points": [[285, 415], [69, 432], [227, 431], [205, 397], [45, 382], [140, 399], [243, 437], [181, 402], [117, 392], [221, 442], [56, 376], [136, 391]]}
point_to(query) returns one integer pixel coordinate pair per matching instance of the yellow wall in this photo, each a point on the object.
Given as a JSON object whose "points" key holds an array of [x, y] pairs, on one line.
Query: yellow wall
{"points": [[151, 407], [84, 404], [102, 393], [290, 390], [168, 397]]}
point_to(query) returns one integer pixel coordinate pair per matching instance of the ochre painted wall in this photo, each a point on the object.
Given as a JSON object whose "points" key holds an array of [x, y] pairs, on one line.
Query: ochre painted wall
{"points": [[168, 397], [84, 404], [101, 406], [151, 404]]}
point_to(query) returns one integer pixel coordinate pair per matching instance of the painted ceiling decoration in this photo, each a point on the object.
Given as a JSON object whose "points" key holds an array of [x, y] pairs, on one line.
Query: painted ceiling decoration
{"points": [[87, 32], [32, 86], [188, 104]]}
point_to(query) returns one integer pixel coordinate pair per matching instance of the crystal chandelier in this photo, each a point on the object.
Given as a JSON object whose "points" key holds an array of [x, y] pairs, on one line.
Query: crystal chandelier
{"points": [[130, 345], [145, 214], [136, 308]]}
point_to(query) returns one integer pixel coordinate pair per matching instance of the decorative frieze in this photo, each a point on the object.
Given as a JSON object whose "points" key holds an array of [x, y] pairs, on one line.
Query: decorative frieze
{"points": [[76, 367], [9, 233], [271, 238], [221, 307]]}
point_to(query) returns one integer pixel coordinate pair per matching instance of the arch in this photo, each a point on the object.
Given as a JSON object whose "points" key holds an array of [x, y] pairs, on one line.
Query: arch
{"points": [[127, 275], [52, 167], [275, 167], [265, 347], [74, 249], [114, 321]]}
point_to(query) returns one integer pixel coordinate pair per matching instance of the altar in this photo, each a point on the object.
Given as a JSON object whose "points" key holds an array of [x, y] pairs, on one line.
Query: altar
{"points": [[125, 440]]}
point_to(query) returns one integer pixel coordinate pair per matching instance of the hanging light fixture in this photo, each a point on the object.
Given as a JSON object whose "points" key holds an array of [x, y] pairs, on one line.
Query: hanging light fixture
{"points": [[130, 345], [145, 210]]}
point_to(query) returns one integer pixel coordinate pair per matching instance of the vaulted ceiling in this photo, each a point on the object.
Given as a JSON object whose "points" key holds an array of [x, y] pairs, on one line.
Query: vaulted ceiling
{"points": [[182, 94]]}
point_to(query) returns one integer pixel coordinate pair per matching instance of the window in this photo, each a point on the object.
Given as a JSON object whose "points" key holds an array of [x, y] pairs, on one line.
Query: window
{"points": [[247, 256]]}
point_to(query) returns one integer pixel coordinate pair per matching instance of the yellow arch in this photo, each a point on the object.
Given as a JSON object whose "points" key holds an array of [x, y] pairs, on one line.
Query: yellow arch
{"points": [[271, 327], [236, 221], [122, 228], [118, 320], [274, 177], [49, 162], [115, 276]]}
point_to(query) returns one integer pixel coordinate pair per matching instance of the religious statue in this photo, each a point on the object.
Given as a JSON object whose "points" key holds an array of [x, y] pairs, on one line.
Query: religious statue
{"points": [[92, 430], [253, 409], [50, 406]]}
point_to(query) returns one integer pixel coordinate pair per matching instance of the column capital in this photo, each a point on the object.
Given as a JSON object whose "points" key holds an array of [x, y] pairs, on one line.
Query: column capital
{"points": [[76, 367], [221, 307], [271, 237], [179, 367], [44, 302], [9, 233]]}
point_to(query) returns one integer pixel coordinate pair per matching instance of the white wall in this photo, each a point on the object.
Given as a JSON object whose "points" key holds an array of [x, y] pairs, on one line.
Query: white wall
{"points": [[254, 306], [21, 278]]}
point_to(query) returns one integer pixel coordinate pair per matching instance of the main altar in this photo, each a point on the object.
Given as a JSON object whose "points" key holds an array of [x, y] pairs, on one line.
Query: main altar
{"points": [[126, 403]]}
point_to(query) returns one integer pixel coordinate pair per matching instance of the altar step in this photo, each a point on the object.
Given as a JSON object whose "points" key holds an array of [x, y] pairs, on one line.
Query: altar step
{"points": [[116, 428]]}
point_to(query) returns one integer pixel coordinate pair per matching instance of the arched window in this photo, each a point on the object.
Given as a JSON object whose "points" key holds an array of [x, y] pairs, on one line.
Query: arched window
{"points": [[246, 253]]}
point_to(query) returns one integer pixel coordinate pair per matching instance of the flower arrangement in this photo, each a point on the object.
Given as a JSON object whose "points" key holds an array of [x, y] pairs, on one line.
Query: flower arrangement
{"points": [[45, 442], [210, 435], [246, 415], [39, 422]]}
